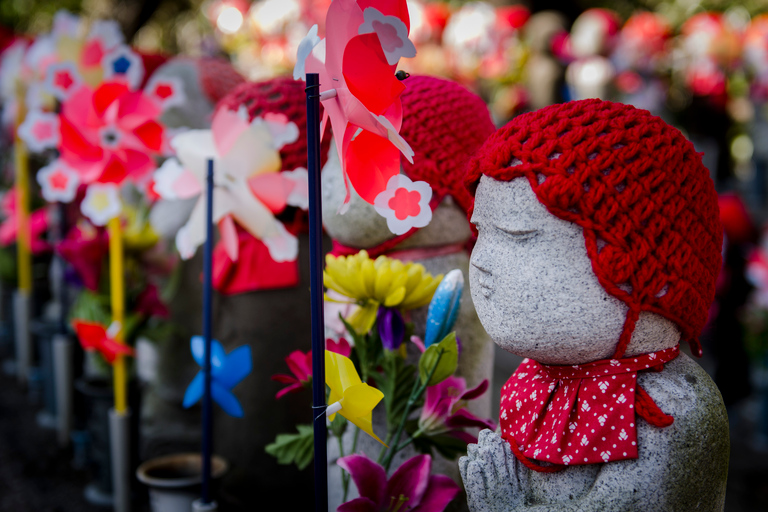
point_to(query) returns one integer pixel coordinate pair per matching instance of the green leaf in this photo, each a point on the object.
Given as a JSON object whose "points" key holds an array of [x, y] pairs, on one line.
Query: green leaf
{"points": [[439, 361], [338, 425], [396, 382], [293, 448], [446, 445], [368, 350]]}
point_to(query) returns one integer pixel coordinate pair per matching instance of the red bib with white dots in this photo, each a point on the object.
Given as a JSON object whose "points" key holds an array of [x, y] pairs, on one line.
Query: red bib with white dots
{"points": [[582, 414]]}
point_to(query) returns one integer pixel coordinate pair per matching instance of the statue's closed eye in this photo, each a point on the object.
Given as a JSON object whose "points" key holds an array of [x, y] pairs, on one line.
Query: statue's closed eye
{"points": [[520, 233]]}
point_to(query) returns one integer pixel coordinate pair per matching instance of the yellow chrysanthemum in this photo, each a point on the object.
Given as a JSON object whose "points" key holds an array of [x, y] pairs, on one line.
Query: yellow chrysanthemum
{"points": [[373, 283]]}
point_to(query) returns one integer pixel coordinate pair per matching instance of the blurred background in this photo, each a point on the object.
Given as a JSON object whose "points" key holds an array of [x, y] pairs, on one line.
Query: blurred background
{"points": [[700, 65]]}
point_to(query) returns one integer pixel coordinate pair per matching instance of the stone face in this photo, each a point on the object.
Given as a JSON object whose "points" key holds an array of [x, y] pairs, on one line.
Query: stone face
{"points": [[535, 292]]}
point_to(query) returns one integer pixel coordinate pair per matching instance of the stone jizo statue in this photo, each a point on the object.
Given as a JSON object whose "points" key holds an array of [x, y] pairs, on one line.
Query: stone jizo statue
{"points": [[598, 249]]}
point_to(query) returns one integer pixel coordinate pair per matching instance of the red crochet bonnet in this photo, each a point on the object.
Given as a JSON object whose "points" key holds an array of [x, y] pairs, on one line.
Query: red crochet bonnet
{"points": [[445, 124], [639, 191]]}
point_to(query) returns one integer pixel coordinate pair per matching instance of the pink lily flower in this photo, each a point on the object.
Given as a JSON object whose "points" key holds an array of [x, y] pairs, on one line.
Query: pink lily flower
{"points": [[410, 488], [444, 411], [300, 364], [38, 224]]}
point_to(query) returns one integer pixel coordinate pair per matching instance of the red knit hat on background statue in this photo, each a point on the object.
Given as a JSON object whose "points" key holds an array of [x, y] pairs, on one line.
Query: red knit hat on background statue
{"points": [[445, 124], [255, 269]]}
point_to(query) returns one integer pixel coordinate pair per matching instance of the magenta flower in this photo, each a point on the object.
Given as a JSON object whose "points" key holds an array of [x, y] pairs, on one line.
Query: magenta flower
{"points": [[38, 224], [410, 488], [85, 248], [300, 364], [444, 412]]}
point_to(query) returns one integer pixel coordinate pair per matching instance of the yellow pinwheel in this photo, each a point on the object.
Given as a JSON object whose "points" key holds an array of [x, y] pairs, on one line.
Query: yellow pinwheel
{"points": [[384, 282], [349, 396]]}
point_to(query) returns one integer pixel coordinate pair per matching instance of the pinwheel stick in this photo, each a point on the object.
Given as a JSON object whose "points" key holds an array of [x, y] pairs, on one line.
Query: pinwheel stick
{"points": [[23, 244], [316, 291], [117, 291], [22, 299], [207, 308]]}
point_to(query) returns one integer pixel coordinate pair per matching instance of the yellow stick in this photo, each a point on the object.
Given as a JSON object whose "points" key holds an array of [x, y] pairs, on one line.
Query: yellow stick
{"points": [[117, 290], [23, 236]]}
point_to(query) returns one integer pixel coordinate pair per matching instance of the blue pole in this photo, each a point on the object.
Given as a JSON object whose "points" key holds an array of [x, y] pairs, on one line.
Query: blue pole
{"points": [[207, 296], [316, 291]]}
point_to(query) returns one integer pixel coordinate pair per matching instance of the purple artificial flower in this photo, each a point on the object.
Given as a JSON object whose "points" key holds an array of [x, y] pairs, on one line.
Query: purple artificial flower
{"points": [[410, 488], [444, 412], [391, 327]]}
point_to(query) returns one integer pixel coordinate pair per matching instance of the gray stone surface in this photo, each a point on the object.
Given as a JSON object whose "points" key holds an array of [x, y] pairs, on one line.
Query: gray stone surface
{"points": [[535, 293], [362, 227]]}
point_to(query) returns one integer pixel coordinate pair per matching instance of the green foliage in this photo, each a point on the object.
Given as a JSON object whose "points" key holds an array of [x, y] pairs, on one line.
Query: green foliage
{"points": [[396, 382], [446, 445], [338, 425], [8, 265], [368, 351], [294, 448], [92, 307], [443, 357]]}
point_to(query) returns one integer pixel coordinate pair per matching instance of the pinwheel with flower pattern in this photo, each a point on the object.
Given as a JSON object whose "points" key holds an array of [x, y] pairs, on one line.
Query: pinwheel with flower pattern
{"points": [[94, 336], [356, 63], [227, 371], [248, 187], [106, 135]]}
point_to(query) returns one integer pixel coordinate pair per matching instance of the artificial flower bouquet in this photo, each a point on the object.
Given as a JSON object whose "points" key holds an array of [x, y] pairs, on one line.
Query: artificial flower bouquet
{"points": [[423, 402]]}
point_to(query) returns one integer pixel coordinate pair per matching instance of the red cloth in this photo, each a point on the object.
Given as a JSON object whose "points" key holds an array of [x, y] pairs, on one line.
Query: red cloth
{"points": [[638, 189], [254, 269], [582, 414]]}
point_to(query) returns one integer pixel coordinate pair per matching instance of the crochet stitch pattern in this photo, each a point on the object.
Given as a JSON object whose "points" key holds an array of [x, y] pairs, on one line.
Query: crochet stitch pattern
{"points": [[445, 124], [639, 190]]}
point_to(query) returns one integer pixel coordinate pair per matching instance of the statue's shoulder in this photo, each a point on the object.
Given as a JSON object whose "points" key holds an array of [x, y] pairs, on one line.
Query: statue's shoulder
{"points": [[685, 391]]}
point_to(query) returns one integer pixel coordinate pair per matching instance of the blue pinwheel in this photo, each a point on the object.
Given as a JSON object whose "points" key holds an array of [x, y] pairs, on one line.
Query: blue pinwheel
{"points": [[227, 371], [444, 307]]}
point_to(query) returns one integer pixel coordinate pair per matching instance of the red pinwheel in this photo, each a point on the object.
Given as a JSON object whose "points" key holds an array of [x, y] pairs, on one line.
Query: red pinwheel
{"points": [[360, 93], [110, 133], [94, 336]]}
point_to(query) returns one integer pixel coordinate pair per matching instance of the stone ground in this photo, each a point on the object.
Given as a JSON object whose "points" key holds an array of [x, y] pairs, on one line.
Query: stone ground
{"points": [[35, 476]]}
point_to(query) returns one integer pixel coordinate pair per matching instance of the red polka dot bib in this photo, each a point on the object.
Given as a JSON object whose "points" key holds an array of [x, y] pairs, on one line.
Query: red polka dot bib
{"points": [[582, 414]]}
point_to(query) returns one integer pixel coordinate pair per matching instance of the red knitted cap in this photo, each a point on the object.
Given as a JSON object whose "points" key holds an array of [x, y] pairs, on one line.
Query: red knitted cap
{"points": [[282, 95], [217, 77], [638, 189], [445, 124]]}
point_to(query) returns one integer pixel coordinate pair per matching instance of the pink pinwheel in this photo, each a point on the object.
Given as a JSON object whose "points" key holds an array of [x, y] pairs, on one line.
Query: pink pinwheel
{"points": [[356, 63], [444, 410], [248, 187], [410, 488], [110, 133], [38, 224]]}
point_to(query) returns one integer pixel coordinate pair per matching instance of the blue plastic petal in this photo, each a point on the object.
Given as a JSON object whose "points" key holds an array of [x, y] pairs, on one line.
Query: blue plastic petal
{"points": [[194, 391], [218, 356], [198, 348], [226, 400], [237, 366], [444, 307], [198, 352]]}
